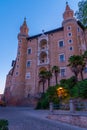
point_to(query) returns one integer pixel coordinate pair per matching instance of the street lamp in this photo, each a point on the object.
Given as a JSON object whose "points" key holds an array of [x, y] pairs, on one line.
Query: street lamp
{"points": [[60, 92]]}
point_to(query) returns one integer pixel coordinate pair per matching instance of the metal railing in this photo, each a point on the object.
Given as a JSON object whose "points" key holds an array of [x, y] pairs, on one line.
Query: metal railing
{"points": [[81, 106], [74, 106]]}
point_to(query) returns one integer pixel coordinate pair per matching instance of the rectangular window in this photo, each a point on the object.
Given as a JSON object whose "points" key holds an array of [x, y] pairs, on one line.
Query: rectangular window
{"points": [[20, 41], [85, 70], [61, 43], [29, 51], [62, 72], [18, 52], [17, 66], [18, 59], [28, 75], [61, 57], [28, 63], [78, 29], [16, 73]]}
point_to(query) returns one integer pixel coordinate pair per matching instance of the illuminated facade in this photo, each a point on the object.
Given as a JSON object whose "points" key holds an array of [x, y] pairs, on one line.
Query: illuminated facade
{"points": [[43, 51]]}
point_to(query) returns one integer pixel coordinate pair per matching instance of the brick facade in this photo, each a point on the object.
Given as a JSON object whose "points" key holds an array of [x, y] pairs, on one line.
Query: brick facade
{"points": [[43, 51]]}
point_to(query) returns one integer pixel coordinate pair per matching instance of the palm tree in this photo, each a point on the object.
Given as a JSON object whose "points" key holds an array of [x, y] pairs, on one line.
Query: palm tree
{"points": [[42, 77], [77, 65], [81, 66], [48, 76], [56, 70], [85, 56], [73, 63]]}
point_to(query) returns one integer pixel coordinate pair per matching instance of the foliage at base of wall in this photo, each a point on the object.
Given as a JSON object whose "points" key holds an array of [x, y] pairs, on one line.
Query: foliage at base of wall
{"points": [[82, 89], [75, 89], [72, 88], [3, 124], [51, 95]]}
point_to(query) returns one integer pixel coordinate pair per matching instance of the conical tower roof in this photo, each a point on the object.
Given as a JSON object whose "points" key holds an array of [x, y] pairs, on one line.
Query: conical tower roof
{"points": [[69, 13], [24, 28]]}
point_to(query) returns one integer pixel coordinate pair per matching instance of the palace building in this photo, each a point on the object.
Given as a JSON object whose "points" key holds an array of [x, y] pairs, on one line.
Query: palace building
{"points": [[42, 52]]}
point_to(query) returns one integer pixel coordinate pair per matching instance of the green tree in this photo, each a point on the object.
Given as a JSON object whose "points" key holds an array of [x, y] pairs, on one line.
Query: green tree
{"points": [[85, 56], [73, 64], [81, 66], [48, 76], [56, 71], [82, 89], [42, 77], [3, 124], [82, 12], [77, 65], [68, 84], [49, 96]]}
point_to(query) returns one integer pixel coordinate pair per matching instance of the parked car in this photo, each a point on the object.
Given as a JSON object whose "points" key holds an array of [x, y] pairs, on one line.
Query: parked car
{"points": [[2, 103]]}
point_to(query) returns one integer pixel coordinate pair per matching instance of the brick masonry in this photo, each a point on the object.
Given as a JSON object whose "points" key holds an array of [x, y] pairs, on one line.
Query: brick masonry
{"points": [[71, 118], [22, 80]]}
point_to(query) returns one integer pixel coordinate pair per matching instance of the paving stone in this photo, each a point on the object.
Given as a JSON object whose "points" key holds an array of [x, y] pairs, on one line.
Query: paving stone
{"points": [[29, 119]]}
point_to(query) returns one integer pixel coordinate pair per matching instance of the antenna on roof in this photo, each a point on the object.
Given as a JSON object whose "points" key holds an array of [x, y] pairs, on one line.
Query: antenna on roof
{"points": [[24, 18], [43, 31], [66, 2]]}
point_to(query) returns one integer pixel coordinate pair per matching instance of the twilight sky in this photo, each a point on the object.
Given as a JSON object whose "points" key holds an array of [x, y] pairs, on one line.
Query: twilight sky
{"points": [[40, 14]]}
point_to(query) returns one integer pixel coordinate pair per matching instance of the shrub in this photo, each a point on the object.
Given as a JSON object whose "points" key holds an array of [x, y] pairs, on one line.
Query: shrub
{"points": [[49, 96], [69, 84], [71, 89], [3, 124], [82, 88], [43, 103]]}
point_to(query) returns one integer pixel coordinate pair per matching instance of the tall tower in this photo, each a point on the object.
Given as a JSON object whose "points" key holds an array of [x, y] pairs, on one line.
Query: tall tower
{"points": [[18, 80], [70, 34]]}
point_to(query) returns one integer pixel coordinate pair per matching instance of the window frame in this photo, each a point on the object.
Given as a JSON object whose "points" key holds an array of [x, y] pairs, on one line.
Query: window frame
{"points": [[70, 42], [27, 64], [60, 59], [69, 34], [59, 43], [17, 66], [20, 41], [28, 51], [70, 47], [68, 27], [16, 73], [63, 68], [85, 70], [19, 53], [28, 75]]}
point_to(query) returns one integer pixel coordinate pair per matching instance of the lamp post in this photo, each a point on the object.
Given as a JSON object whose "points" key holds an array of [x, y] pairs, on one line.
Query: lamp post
{"points": [[60, 92]]}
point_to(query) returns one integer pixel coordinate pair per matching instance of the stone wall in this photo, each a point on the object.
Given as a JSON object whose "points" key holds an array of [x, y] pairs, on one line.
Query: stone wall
{"points": [[71, 118]]}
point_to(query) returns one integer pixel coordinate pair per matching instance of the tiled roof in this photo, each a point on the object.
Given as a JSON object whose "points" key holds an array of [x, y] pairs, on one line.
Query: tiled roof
{"points": [[81, 25], [48, 32]]}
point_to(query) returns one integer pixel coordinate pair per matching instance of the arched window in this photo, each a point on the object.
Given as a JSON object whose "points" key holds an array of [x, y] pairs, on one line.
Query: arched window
{"points": [[43, 44]]}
